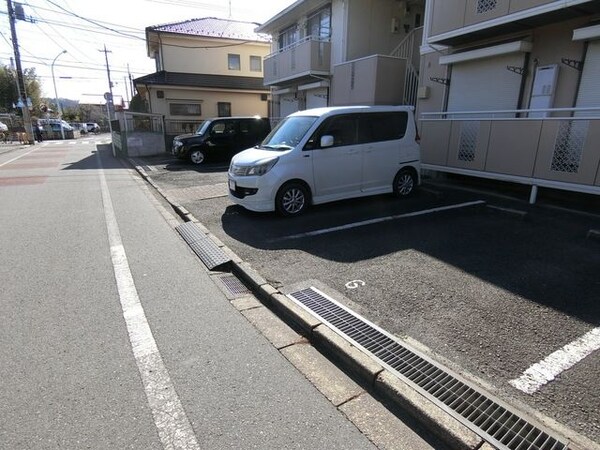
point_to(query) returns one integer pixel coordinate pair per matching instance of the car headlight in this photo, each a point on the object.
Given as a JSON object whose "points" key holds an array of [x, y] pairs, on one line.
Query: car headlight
{"points": [[256, 170], [177, 144]]}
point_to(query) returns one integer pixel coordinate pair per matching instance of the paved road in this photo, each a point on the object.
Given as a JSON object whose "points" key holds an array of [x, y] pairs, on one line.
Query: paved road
{"points": [[115, 336], [492, 289]]}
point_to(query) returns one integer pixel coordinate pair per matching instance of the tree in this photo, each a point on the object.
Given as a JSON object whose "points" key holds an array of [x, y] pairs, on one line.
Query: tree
{"points": [[138, 104], [8, 88]]}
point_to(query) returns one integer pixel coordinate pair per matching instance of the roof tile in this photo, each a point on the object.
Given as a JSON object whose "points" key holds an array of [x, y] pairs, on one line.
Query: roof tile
{"points": [[215, 28]]}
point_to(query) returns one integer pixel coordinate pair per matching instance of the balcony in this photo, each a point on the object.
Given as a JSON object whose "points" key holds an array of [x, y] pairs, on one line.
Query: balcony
{"points": [[310, 56], [555, 148], [373, 80], [457, 22]]}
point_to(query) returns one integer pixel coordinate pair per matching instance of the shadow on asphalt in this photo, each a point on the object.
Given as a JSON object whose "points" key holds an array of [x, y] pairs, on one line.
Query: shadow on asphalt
{"points": [[203, 168], [91, 162], [546, 258]]}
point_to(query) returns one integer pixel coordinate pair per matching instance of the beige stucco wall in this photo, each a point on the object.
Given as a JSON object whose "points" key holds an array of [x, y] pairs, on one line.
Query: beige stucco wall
{"points": [[242, 103], [550, 45], [434, 92], [369, 26], [373, 80], [449, 15], [208, 56]]}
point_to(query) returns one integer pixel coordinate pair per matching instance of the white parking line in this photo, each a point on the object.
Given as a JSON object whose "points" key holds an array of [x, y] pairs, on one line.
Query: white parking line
{"points": [[378, 220], [172, 424], [549, 368]]}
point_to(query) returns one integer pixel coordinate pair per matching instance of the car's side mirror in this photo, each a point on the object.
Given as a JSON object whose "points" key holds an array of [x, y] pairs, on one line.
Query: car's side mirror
{"points": [[326, 141]]}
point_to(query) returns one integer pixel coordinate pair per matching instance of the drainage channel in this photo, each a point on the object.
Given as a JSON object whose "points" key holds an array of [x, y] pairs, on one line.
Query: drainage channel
{"points": [[494, 423], [210, 253]]}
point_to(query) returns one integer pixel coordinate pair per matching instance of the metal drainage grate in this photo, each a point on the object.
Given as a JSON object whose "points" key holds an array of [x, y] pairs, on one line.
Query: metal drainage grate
{"points": [[484, 416], [209, 252], [234, 285]]}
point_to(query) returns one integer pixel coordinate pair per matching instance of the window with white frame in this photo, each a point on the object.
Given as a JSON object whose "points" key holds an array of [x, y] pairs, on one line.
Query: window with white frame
{"points": [[255, 64], [233, 62], [288, 37], [319, 24], [224, 109], [185, 109]]}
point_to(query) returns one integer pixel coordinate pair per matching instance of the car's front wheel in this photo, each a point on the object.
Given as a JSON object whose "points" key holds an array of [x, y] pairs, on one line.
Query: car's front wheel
{"points": [[292, 199], [197, 156]]}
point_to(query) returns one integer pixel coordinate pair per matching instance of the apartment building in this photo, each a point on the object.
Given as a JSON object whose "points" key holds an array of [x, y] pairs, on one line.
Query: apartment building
{"points": [[343, 52], [205, 68], [510, 90]]}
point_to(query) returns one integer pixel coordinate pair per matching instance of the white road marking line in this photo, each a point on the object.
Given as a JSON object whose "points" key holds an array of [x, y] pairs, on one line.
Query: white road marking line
{"points": [[20, 156], [378, 220], [548, 369], [174, 428]]}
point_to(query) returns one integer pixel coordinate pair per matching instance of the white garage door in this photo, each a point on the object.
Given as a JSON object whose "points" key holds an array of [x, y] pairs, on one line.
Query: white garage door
{"points": [[486, 84], [288, 104], [589, 87], [316, 98]]}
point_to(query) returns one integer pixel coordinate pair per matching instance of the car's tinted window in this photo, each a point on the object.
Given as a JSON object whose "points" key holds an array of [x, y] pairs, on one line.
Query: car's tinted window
{"points": [[377, 127], [343, 128], [223, 128], [254, 127]]}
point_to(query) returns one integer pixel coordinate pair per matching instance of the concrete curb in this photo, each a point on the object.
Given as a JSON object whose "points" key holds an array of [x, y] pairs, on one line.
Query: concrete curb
{"points": [[383, 382]]}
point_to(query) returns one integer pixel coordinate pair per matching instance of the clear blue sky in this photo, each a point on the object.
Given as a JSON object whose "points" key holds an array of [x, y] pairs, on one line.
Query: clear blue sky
{"points": [[69, 25]]}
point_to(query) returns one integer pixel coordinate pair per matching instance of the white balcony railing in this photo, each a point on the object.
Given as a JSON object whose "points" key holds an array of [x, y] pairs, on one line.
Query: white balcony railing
{"points": [[310, 56], [557, 148]]}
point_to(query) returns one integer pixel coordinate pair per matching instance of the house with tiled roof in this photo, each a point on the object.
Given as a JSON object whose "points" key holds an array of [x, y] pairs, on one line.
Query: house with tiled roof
{"points": [[205, 67]]}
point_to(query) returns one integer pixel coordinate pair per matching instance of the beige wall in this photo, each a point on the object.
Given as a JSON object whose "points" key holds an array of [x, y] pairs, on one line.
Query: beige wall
{"points": [[374, 80], [550, 44], [369, 26], [522, 148], [242, 103], [176, 58], [434, 92], [449, 15]]}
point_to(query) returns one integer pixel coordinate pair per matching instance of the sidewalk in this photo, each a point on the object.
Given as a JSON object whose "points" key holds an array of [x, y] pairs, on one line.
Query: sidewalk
{"points": [[265, 384], [385, 428], [115, 335]]}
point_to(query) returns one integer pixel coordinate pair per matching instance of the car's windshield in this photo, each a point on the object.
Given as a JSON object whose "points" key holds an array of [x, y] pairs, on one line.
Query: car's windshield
{"points": [[288, 133], [203, 127]]}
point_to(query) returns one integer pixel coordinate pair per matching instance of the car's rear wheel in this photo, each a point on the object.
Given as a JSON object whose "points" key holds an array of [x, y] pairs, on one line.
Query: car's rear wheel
{"points": [[197, 156], [292, 199], [405, 183]]}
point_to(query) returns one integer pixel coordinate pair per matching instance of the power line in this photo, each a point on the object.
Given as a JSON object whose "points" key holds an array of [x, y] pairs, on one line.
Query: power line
{"points": [[92, 21]]}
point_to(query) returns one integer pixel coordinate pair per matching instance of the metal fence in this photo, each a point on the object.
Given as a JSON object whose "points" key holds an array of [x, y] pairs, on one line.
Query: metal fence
{"points": [[182, 126]]}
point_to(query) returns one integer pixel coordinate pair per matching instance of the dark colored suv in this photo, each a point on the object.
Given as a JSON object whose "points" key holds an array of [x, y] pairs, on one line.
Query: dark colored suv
{"points": [[220, 138]]}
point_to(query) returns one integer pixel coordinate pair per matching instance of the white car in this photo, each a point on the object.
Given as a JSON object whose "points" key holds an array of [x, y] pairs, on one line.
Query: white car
{"points": [[3, 127], [327, 154], [92, 127]]}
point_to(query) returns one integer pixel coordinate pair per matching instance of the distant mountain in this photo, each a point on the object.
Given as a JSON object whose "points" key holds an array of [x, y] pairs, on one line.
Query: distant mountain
{"points": [[64, 102]]}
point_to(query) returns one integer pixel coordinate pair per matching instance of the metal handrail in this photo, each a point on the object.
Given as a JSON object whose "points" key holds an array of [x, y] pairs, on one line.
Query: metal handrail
{"points": [[492, 115], [297, 44]]}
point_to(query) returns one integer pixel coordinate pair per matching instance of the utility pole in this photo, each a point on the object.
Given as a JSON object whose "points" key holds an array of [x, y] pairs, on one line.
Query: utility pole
{"points": [[131, 89], [20, 80], [109, 101]]}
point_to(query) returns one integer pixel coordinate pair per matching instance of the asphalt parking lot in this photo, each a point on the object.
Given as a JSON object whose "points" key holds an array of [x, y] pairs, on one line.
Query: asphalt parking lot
{"points": [[486, 282]]}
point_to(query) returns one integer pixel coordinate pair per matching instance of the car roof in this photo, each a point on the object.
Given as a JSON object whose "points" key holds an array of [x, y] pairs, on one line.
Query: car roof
{"points": [[331, 110], [237, 118]]}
